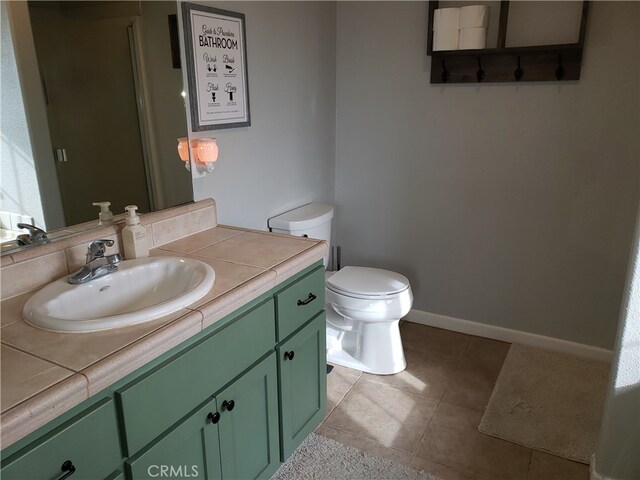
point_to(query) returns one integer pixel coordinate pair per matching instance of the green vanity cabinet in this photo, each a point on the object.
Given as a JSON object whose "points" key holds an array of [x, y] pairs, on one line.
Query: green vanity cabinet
{"points": [[249, 427], [232, 436], [154, 401], [189, 449], [88, 444], [303, 383], [299, 301], [231, 402]]}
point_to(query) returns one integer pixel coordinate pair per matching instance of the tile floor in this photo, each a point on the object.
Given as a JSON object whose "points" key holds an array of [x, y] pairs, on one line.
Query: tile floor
{"points": [[427, 416]]}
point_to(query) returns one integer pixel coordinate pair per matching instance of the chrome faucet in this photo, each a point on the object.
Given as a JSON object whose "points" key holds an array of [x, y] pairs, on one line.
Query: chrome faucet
{"points": [[36, 236], [98, 265]]}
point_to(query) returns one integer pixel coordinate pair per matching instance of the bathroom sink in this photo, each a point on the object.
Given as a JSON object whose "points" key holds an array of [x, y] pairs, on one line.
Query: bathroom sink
{"points": [[139, 291]]}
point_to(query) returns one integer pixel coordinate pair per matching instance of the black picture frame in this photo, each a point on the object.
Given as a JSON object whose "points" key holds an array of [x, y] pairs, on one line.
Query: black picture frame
{"points": [[216, 67]]}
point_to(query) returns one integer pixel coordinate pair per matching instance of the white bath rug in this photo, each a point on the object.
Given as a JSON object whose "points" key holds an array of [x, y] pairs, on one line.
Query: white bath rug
{"points": [[319, 457], [548, 401]]}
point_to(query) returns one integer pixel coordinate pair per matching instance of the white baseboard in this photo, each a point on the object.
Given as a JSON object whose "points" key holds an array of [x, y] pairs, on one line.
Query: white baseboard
{"points": [[507, 335]]}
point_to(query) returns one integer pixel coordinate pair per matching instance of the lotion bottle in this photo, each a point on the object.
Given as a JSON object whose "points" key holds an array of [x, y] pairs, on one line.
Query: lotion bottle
{"points": [[105, 216], [134, 235]]}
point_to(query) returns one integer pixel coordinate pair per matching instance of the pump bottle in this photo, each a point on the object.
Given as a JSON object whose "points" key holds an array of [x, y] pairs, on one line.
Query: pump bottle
{"points": [[134, 235], [105, 216]]}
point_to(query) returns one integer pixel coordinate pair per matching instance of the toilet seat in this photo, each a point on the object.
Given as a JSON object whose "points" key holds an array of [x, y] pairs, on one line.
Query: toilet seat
{"points": [[378, 309], [367, 283]]}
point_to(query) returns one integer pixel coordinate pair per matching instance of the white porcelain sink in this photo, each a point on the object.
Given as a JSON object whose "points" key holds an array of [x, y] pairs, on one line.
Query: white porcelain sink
{"points": [[140, 291]]}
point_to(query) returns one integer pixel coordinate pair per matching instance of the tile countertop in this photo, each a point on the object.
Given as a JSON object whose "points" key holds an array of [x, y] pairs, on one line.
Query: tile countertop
{"points": [[45, 373]]}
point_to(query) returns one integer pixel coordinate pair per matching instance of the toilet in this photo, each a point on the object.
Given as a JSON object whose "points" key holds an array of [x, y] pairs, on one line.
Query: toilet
{"points": [[363, 305]]}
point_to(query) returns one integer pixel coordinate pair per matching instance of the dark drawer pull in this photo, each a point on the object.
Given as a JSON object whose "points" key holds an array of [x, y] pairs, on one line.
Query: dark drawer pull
{"points": [[214, 417], [69, 468], [228, 405], [308, 300], [289, 355]]}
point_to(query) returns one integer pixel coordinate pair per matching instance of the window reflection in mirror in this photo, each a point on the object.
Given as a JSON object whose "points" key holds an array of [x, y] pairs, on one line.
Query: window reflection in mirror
{"points": [[91, 110]]}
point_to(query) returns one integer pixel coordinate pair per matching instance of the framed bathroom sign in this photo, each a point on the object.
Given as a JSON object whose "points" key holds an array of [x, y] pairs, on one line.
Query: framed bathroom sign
{"points": [[216, 65]]}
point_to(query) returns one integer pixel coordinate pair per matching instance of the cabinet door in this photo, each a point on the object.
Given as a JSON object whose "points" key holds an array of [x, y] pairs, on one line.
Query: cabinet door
{"points": [[88, 444], [249, 446], [153, 402], [188, 450], [303, 383]]}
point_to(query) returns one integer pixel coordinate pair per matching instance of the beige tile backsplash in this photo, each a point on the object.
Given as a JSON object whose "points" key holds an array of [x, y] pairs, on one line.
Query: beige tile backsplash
{"points": [[30, 269], [23, 277]]}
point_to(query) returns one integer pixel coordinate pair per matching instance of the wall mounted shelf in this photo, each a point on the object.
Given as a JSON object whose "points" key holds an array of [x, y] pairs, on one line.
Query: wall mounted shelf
{"points": [[534, 63]]}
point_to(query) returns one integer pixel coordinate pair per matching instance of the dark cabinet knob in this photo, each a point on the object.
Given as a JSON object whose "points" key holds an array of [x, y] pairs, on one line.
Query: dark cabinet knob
{"points": [[307, 300], [68, 468], [228, 405], [289, 355], [214, 417]]}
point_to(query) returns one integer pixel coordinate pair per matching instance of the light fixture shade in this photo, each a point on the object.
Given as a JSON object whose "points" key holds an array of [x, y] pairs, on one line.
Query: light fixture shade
{"points": [[207, 150], [183, 148]]}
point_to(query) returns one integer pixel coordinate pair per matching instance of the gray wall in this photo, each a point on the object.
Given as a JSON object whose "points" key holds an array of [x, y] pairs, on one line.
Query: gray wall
{"points": [[286, 157], [511, 205]]}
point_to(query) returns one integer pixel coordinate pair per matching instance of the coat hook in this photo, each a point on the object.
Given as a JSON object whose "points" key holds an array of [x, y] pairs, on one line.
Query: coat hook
{"points": [[519, 72], [445, 73], [560, 71], [480, 74]]}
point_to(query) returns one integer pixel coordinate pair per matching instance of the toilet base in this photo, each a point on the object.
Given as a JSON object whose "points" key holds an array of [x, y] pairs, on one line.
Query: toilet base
{"points": [[371, 347]]}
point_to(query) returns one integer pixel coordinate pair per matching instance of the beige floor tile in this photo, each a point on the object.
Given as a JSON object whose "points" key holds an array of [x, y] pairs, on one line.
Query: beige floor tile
{"points": [[443, 472], [452, 439], [456, 417], [426, 373], [433, 340], [365, 444], [549, 467], [339, 382], [391, 416], [489, 354], [471, 384], [346, 370]]}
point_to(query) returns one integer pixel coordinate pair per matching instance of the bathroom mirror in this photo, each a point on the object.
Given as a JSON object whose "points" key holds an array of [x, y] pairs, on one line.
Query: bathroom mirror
{"points": [[92, 106]]}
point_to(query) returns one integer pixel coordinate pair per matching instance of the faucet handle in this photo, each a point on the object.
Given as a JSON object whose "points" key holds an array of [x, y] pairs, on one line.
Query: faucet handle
{"points": [[97, 249]]}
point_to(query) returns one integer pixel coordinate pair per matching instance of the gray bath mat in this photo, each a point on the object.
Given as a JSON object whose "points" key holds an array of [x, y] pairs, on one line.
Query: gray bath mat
{"points": [[548, 401], [319, 457]]}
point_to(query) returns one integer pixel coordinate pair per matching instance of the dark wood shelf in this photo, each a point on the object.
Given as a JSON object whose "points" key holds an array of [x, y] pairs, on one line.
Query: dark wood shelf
{"points": [[505, 51], [537, 63]]}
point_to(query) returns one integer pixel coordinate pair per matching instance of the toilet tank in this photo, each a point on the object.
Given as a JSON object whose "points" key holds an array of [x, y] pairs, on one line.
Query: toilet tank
{"points": [[312, 220]]}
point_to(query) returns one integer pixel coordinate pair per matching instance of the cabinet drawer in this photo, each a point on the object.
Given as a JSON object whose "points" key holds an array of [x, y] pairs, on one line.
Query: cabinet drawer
{"points": [[89, 441], [299, 302], [155, 401]]}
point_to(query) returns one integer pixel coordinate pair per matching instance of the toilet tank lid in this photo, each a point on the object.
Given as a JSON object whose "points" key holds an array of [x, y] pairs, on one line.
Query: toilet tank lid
{"points": [[309, 216], [367, 281]]}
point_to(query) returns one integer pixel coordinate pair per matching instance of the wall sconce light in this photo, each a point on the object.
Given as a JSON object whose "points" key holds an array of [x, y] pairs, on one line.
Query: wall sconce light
{"points": [[203, 150]]}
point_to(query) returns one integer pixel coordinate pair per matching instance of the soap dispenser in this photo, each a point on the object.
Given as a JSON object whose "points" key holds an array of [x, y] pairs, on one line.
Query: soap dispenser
{"points": [[134, 235], [105, 216]]}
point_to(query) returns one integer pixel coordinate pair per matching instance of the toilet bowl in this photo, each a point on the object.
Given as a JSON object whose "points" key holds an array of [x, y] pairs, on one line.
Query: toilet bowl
{"points": [[364, 308], [363, 305]]}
